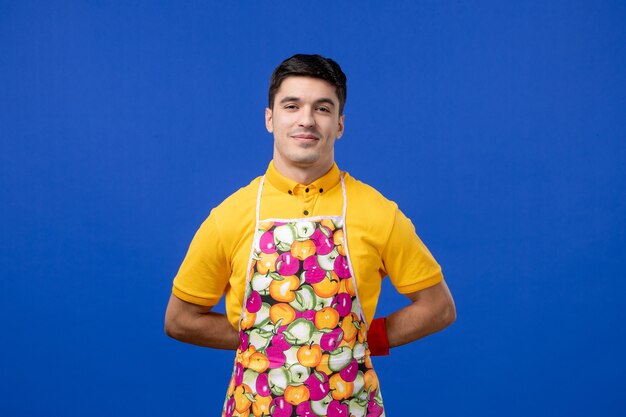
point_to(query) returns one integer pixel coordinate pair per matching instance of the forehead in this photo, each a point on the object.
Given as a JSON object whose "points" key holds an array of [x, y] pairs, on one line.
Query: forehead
{"points": [[307, 89]]}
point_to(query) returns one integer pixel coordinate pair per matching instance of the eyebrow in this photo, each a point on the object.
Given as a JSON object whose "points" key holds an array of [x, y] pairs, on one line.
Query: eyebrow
{"points": [[318, 101]]}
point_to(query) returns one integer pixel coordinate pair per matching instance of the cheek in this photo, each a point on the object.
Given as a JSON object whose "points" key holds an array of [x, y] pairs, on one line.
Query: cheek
{"points": [[280, 124]]}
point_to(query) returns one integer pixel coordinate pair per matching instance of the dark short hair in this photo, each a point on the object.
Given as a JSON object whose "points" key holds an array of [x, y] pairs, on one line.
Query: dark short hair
{"points": [[315, 66]]}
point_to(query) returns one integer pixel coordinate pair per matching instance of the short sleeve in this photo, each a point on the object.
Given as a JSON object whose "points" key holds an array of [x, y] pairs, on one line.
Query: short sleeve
{"points": [[205, 271], [407, 261]]}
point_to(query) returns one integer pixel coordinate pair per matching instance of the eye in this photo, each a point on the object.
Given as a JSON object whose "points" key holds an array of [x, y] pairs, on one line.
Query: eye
{"points": [[290, 107], [324, 109]]}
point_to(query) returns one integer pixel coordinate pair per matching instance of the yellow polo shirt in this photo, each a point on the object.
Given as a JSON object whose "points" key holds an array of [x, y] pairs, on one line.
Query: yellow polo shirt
{"points": [[381, 240]]}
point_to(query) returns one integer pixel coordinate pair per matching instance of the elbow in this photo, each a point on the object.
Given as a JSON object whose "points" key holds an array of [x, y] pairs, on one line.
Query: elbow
{"points": [[448, 316], [173, 327], [170, 329]]}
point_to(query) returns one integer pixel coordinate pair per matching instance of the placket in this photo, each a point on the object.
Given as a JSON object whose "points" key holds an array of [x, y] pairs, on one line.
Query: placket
{"points": [[308, 196]]}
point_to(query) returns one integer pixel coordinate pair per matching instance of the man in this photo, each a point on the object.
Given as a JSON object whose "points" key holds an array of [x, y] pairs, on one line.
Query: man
{"points": [[300, 254]]}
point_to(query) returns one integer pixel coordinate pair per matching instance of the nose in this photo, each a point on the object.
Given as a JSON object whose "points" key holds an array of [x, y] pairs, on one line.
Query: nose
{"points": [[305, 118]]}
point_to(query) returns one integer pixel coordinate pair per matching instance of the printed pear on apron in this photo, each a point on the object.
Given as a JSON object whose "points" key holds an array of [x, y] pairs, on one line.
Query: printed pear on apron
{"points": [[303, 337]]}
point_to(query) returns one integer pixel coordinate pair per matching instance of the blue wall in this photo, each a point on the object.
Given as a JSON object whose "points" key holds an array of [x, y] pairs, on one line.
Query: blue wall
{"points": [[499, 128]]}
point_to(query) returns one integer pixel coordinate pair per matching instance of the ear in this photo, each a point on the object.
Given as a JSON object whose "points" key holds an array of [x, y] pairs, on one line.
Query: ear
{"points": [[268, 120], [341, 126]]}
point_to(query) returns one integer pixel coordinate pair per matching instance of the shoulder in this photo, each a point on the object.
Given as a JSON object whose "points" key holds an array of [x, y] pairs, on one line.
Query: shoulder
{"points": [[369, 213], [238, 207], [364, 195], [244, 196]]}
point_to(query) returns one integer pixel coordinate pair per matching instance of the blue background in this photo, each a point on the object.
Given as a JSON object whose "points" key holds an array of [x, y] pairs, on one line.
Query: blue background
{"points": [[498, 127]]}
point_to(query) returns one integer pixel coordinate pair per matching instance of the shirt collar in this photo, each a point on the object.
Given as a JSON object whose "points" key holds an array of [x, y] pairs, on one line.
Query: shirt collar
{"points": [[286, 185]]}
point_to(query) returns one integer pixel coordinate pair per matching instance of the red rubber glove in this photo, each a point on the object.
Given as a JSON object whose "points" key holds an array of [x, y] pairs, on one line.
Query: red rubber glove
{"points": [[377, 339]]}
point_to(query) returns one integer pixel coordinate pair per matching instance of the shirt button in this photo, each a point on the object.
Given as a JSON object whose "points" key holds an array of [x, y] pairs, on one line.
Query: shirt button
{"points": [[290, 192], [306, 212], [321, 190], [306, 190]]}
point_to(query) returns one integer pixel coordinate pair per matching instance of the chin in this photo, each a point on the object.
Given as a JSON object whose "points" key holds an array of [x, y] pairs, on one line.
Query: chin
{"points": [[304, 159]]}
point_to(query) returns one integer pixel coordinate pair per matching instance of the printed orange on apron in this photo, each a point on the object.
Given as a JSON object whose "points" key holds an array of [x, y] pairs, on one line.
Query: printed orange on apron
{"points": [[303, 339]]}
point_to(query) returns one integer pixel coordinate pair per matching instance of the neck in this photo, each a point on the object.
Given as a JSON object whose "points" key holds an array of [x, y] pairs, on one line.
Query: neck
{"points": [[302, 174]]}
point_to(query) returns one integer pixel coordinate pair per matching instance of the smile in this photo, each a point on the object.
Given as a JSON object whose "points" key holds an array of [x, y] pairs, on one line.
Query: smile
{"points": [[305, 136]]}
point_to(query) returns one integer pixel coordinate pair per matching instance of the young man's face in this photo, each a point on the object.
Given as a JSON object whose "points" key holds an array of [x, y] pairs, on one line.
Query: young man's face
{"points": [[305, 121]]}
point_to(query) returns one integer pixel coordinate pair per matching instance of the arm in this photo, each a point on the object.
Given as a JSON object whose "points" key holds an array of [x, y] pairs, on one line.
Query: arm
{"points": [[432, 309], [198, 325]]}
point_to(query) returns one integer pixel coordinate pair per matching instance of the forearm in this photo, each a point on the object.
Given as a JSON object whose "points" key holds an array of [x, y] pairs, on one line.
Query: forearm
{"points": [[202, 328], [414, 322], [432, 310]]}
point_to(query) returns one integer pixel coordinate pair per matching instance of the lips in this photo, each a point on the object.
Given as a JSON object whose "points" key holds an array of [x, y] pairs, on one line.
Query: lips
{"points": [[305, 136], [305, 139]]}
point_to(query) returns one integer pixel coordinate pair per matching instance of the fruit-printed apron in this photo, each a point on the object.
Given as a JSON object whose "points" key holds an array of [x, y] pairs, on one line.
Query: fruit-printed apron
{"points": [[303, 337]]}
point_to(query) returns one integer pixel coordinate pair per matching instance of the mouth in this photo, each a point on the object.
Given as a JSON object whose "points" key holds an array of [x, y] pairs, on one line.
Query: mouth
{"points": [[305, 139], [305, 136]]}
